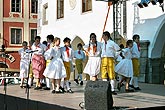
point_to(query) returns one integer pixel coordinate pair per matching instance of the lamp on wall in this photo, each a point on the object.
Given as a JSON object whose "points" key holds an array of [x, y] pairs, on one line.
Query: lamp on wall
{"points": [[143, 3], [153, 2], [114, 1]]}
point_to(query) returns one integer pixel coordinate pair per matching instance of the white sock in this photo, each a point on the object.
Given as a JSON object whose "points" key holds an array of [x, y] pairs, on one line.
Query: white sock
{"points": [[48, 82], [104, 79], [136, 82], [112, 82], [30, 81], [80, 76], [77, 76], [67, 85], [131, 81], [62, 83]]}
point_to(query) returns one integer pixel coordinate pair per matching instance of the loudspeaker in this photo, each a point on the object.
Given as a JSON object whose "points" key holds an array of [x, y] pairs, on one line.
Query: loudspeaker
{"points": [[98, 95]]}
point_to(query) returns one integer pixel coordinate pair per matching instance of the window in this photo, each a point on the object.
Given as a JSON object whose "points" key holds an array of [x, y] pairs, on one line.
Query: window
{"points": [[86, 5], [60, 9], [16, 36], [15, 5], [34, 6], [45, 14], [33, 34]]}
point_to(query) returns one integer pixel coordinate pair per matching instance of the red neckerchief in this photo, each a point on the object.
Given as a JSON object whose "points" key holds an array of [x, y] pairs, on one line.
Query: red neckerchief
{"points": [[138, 45], [79, 52], [37, 46], [67, 51]]}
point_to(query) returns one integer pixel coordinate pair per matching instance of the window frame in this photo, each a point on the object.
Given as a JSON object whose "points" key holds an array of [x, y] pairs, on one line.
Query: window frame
{"points": [[86, 8], [44, 14], [20, 6], [31, 33], [60, 9], [21, 35], [35, 5]]}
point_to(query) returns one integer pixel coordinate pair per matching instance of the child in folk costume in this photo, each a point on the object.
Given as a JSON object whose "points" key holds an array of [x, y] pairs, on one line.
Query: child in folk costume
{"points": [[79, 56], [124, 67], [50, 39], [55, 69], [93, 51], [38, 61], [24, 62], [135, 60], [67, 56], [109, 49]]}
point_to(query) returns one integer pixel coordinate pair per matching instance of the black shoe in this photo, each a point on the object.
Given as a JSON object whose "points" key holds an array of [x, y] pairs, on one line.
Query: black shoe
{"points": [[27, 86], [76, 81], [62, 89], [69, 91], [137, 88], [46, 88], [22, 87], [131, 86], [69, 83], [43, 85], [53, 91], [114, 93], [37, 88], [119, 86], [81, 83], [129, 90]]}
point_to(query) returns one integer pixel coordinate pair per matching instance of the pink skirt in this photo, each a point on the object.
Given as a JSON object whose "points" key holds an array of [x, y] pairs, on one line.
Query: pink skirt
{"points": [[38, 66]]}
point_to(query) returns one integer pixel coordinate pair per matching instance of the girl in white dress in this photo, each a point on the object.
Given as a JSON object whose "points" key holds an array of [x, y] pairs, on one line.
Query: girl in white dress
{"points": [[93, 51], [124, 67], [55, 69], [24, 62]]}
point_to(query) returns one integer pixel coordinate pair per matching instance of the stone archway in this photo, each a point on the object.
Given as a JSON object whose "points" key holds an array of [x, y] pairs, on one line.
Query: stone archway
{"points": [[157, 60], [75, 41]]}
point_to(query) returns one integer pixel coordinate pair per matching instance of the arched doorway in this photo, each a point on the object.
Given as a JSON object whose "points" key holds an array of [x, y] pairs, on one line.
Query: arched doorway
{"points": [[75, 41], [157, 60]]}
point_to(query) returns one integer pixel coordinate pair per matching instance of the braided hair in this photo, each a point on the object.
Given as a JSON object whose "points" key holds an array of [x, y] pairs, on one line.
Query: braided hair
{"points": [[92, 35]]}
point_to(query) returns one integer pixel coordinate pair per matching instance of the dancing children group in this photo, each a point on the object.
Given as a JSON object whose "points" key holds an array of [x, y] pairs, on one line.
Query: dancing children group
{"points": [[48, 62]]}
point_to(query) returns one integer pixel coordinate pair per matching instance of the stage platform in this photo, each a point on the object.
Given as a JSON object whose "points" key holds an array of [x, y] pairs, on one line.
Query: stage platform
{"points": [[151, 95]]}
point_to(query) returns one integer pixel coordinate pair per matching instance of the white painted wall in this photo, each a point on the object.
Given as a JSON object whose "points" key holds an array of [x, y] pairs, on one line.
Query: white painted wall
{"points": [[76, 23]]}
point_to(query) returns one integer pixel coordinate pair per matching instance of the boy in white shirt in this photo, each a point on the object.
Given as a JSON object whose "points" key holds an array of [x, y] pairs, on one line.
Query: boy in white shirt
{"points": [[109, 49], [67, 57]]}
